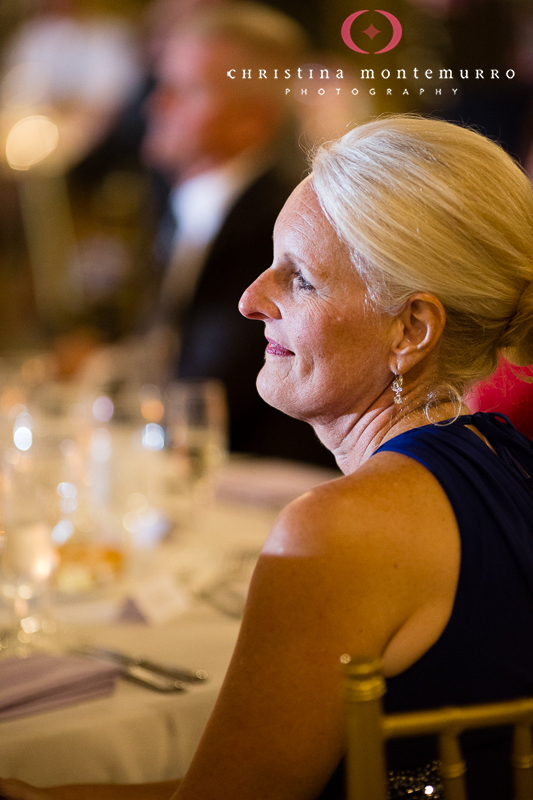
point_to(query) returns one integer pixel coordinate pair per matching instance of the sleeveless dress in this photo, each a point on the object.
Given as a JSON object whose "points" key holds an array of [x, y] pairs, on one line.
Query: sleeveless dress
{"points": [[485, 653]]}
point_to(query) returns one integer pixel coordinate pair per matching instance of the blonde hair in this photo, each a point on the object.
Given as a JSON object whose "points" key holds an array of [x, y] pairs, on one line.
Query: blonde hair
{"points": [[427, 206]]}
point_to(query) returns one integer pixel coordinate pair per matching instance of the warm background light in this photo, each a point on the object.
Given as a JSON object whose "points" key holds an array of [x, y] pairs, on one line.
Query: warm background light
{"points": [[30, 141]]}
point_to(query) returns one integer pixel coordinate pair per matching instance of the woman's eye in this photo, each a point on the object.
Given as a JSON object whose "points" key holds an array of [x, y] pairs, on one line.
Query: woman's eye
{"points": [[302, 283]]}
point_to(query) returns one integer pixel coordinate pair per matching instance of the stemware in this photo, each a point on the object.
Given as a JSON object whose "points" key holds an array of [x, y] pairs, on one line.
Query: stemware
{"points": [[196, 420], [28, 557]]}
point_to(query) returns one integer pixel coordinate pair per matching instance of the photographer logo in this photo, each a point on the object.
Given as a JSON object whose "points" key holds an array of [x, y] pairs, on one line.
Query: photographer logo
{"points": [[371, 31]]}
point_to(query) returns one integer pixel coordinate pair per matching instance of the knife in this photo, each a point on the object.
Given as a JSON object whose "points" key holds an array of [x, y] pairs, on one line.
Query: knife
{"points": [[152, 680], [179, 674]]}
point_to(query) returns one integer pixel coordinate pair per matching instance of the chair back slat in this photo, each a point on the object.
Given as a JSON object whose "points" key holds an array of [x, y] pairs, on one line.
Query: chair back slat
{"points": [[365, 764], [523, 761], [369, 728], [452, 766]]}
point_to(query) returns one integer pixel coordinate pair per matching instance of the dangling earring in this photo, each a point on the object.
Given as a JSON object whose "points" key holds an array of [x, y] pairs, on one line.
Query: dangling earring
{"points": [[397, 388]]}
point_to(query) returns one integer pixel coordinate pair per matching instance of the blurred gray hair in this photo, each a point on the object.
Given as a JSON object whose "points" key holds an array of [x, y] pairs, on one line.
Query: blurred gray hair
{"points": [[271, 37]]}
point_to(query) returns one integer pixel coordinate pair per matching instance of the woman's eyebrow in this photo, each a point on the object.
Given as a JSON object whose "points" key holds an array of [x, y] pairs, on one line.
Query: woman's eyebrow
{"points": [[292, 258], [287, 259]]}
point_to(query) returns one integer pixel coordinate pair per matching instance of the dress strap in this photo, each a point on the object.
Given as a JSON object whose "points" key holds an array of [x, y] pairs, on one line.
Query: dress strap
{"points": [[512, 446]]}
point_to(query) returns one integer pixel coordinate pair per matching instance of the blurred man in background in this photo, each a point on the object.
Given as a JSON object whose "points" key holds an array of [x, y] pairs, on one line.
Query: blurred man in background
{"points": [[220, 141]]}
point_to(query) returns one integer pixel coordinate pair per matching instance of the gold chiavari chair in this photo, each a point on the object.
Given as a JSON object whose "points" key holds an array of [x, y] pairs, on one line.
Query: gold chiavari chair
{"points": [[369, 728]]}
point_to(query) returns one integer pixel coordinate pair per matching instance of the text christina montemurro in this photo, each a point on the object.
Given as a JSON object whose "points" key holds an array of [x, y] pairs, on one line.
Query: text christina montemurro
{"points": [[306, 73]]}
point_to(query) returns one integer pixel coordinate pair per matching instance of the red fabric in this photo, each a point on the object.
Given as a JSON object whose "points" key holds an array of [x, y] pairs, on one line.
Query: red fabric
{"points": [[506, 393]]}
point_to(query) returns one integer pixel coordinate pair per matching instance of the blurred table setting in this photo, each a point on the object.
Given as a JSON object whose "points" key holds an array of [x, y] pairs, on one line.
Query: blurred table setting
{"points": [[128, 542]]}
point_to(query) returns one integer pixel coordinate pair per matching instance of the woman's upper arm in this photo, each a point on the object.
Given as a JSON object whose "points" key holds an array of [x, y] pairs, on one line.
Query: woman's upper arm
{"points": [[331, 579], [275, 731]]}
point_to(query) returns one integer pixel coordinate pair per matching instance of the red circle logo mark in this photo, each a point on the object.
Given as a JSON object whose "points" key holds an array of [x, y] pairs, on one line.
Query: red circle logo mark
{"points": [[371, 32]]}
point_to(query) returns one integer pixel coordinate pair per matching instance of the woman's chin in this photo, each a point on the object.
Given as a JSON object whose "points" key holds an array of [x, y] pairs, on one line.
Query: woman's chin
{"points": [[268, 394], [271, 392]]}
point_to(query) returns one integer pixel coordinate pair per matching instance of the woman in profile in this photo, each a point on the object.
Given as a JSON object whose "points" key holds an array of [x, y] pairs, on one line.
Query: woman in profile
{"points": [[403, 267]]}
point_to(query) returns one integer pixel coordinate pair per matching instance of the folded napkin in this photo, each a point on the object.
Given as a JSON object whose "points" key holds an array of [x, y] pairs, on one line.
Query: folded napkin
{"points": [[268, 482], [45, 682]]}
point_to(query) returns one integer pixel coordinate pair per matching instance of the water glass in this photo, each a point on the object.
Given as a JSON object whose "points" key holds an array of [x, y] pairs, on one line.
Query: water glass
{"points": [[28, 557], [196, 421]]}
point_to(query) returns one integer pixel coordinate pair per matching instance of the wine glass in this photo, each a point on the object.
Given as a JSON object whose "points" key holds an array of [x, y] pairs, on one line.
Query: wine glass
{"points": [[196, 420], [27, 556]]}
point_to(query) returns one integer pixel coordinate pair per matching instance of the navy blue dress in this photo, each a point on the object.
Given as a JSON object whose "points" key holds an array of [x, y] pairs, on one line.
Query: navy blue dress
{"points": [[485, 653]]}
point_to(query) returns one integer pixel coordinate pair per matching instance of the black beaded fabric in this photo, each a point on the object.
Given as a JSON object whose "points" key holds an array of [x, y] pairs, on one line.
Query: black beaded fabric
{"points": [[423, 783]]}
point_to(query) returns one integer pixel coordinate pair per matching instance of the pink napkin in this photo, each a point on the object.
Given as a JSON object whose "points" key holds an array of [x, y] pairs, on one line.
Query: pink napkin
{"points": [[44, 682]]}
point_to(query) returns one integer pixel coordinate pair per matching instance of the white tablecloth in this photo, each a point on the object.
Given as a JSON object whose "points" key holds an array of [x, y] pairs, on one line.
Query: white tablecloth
{"points": [[138, 735]]}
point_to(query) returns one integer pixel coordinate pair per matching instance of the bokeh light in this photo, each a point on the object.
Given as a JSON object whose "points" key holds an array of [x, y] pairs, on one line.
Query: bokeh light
{"points": [[30, 141]]}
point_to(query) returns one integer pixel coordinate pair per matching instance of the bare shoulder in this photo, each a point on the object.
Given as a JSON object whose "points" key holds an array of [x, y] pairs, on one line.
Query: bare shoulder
{"points": [[391, 497], [380, 546]]}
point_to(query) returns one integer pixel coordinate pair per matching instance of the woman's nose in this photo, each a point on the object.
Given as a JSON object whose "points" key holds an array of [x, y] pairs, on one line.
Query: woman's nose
{"points": [[256, 302]]}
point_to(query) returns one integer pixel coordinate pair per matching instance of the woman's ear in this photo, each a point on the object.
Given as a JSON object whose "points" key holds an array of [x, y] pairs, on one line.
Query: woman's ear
{"points": [[419, 326]]}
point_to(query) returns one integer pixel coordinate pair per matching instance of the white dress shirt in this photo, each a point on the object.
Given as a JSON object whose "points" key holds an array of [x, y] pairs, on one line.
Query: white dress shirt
{"points": [[200, 207]]}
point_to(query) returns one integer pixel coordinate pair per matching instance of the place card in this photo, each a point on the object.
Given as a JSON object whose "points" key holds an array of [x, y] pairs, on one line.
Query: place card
{"points": [[157, 600]]}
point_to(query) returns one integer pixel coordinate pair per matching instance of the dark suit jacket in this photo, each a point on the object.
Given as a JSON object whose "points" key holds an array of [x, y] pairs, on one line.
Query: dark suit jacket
{"points": [[217, 341]]}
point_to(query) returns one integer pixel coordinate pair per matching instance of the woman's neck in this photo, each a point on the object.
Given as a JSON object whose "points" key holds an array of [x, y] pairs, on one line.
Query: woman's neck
{"points": [[355, 437]]}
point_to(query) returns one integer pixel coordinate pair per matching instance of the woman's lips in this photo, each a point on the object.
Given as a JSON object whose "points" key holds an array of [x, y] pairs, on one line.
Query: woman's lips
{"points": [[275, 349]]}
